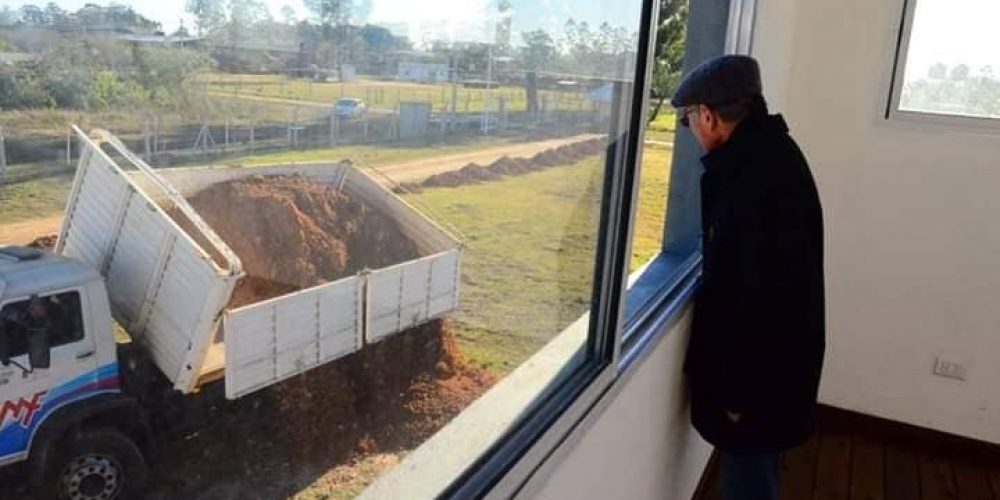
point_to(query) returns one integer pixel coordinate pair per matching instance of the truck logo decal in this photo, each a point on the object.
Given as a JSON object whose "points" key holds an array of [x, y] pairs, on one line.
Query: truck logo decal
{"points": [[22, 411]]}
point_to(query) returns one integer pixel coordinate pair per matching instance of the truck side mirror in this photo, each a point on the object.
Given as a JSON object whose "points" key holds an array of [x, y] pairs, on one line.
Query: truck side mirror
{"points": [[38, 349]]}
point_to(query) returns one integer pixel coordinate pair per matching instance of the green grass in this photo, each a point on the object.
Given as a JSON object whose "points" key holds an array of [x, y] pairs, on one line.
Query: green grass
{"points": [[378, 94], [654, 182], [37, 198], [527, 269], [528, 266]]}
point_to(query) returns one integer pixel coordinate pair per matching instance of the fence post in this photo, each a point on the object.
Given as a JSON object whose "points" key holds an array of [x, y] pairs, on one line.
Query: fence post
{"points": [[147, 145], [3, 156], [225, 143], [333, 129], [69, 146], [251, 136], [366, 127]]}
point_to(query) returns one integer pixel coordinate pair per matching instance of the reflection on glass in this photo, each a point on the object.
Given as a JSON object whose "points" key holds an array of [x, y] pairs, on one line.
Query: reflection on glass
{"points": [[951, 67], [407, 192]]}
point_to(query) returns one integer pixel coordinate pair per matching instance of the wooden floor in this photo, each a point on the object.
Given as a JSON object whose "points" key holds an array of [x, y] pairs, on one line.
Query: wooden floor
{"points": [[853, 457]]}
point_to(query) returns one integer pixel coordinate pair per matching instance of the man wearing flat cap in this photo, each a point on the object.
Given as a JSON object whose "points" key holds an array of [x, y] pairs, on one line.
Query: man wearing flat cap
{"points": [[757, 341]]}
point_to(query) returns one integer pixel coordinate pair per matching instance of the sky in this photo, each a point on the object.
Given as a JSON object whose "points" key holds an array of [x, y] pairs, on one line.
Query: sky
{"points": [[457, 20], [954, 32]]}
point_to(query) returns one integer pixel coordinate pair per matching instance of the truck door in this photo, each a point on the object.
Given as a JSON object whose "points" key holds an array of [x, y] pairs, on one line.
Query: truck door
{"points": [[28, 394]]}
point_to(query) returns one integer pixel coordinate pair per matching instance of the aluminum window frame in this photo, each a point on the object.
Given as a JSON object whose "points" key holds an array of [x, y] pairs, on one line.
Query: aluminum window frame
{"points": [[892, 111]]}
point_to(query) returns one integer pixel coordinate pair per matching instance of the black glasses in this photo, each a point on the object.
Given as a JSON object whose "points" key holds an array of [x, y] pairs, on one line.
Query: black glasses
{"points": [[685, 121]]}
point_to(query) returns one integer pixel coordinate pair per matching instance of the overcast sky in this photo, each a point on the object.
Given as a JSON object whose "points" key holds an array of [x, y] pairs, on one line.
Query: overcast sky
{"points": [[461, 20]]}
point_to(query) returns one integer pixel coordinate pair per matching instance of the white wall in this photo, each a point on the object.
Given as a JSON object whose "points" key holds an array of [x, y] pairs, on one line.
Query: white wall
{"points": [[913, 236], [639, 444]]}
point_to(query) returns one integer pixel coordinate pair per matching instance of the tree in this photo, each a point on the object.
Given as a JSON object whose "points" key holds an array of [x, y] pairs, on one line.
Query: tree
{"points": [[208, 14], [31, 14], [669, 52], [938, 71], [55, 15], [577, 43], [539, 50], [329, 13], [959, 73], [288, 15]]}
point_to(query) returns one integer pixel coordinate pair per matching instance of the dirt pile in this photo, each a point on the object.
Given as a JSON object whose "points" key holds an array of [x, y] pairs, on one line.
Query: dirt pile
{"points": [[566, 154], [291, 232], [470, 174], [386, 399], [47, 242], [391, 396], [512, 166]]}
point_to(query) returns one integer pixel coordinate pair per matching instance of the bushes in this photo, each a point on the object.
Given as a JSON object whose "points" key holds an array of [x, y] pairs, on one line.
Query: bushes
{"points": [[99, 74]]}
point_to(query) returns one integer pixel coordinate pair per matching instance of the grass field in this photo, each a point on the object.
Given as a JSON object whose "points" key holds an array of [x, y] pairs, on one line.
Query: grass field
{"points": [[38, 198], [662, 128], [527, 269], [379, 94]]}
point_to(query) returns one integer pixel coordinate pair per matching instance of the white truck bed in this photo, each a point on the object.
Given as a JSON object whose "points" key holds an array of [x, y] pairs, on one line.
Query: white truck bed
{"points": [[171, 296]]}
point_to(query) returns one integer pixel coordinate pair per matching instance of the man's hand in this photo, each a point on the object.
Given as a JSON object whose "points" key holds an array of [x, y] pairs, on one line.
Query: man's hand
{"points": [[734, 417]]}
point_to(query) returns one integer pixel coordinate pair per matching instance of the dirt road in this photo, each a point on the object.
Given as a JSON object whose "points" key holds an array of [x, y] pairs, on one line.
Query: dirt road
{"points": [[24, 232], [276, 100], [418, 170], [411, 171]]}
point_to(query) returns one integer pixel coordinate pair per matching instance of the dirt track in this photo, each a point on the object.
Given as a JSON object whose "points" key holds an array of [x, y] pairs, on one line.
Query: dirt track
{"points": [[418, 170], [24, 232]]}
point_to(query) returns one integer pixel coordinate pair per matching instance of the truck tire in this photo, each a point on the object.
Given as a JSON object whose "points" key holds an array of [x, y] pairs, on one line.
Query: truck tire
{"points": [[95, 464]]}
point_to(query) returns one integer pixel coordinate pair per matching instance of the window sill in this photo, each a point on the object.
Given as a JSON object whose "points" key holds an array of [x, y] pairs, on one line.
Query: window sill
{"points": [[666, 281]]}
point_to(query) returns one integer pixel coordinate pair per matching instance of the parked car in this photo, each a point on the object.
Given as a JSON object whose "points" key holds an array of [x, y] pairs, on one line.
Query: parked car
{"points": [[349, 107]]}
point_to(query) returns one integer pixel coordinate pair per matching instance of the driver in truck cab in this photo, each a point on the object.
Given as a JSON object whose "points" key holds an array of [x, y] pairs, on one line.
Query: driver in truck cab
{"points": [[34, 323]]}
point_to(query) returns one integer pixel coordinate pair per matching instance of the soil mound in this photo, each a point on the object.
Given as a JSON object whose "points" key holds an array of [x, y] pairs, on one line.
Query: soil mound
{"points": [[566, 154], [291, 232], [47, 242], [469, 174], [511, 166]]}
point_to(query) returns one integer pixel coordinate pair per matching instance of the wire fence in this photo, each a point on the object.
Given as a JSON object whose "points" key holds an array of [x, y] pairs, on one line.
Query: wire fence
{"points": [[166, 140]]}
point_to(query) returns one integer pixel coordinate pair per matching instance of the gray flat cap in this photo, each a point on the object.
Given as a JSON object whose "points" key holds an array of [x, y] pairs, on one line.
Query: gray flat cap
{"points": [[719, 80]]}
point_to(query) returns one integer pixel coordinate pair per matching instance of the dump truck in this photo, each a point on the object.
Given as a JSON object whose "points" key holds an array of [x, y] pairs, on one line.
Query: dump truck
{"points": [[133, 254]]}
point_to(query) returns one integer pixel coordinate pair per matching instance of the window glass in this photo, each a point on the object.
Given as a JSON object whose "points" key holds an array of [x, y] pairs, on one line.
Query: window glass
{"points": [[951, 65], [658, 137], [57, 317], [409, 194]]}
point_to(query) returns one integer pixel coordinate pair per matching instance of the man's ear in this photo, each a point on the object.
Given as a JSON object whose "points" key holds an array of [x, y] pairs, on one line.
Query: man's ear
{"points": [[710, 120]]}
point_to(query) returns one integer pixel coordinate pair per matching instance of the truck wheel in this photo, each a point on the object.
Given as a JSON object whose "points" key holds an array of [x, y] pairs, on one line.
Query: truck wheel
{"points": [[96, 464]]}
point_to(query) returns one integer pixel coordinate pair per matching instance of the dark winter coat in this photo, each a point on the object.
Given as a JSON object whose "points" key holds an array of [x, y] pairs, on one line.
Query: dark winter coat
{"points": [[757, 340]]}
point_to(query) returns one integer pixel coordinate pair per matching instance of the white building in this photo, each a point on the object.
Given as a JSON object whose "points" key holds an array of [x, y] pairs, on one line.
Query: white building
{"points": [[422, 72]]}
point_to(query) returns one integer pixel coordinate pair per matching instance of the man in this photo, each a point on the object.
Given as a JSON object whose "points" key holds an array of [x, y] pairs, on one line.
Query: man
{"points": [[757, 342]]}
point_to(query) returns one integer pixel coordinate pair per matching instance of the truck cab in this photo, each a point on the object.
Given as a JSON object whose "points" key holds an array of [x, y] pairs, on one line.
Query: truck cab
{"points": [[59, 376]]}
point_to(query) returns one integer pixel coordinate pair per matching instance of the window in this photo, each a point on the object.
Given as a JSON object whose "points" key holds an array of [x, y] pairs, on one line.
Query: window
{"points": [[429, 195], [55, 317], [946, 63]]}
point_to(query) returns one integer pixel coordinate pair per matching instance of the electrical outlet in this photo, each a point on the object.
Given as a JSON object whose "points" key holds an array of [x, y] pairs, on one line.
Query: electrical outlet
{"points": [[949, 369]]}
